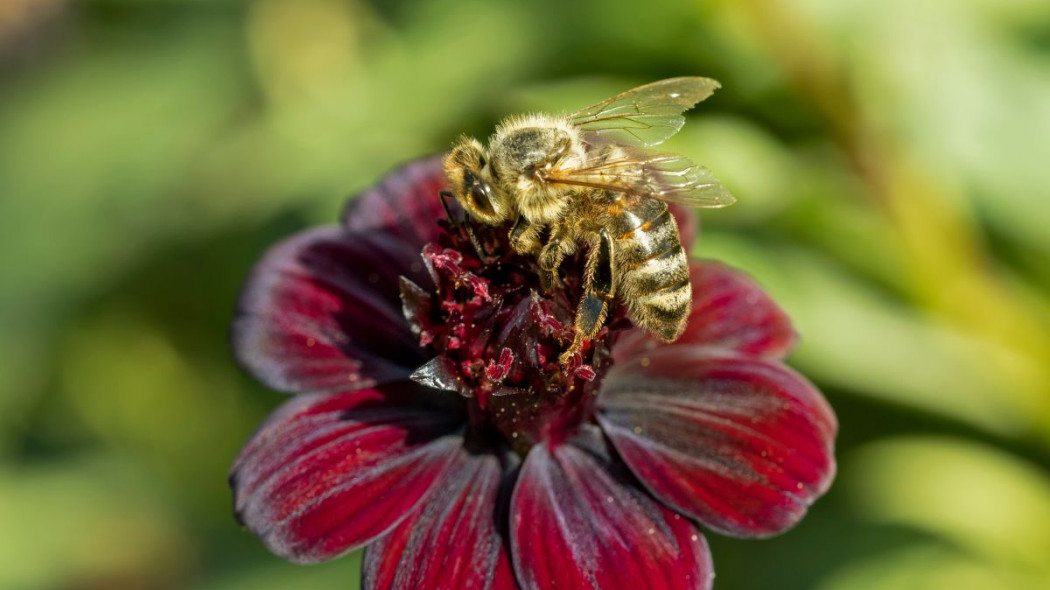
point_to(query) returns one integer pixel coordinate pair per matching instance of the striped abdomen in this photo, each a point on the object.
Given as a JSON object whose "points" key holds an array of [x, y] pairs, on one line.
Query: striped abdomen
{"points": [[652, 276]]}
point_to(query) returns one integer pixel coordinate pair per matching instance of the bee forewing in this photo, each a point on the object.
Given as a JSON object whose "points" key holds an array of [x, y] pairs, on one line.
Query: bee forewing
{"points": [[667, 177], [678, 180], [646, 115]]}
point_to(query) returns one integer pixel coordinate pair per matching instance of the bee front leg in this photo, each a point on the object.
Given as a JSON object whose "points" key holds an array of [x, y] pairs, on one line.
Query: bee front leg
{"points": [[525, 236], [599, 290], [560, 245]]}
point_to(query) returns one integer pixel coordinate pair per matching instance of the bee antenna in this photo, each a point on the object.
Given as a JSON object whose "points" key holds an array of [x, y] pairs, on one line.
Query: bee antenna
{"points": [[479, 249], [445, 195]]}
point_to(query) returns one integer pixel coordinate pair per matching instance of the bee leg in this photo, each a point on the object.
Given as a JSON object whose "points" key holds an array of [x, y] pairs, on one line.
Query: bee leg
{"points": [[525, 236], [599, 290], [548, 281], [550, 259], [562, 243], [479, 249], [525, 239]]}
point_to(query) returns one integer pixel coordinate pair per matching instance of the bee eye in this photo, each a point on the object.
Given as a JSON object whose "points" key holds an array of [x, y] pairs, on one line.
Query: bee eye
{"points": [[481, 197]]}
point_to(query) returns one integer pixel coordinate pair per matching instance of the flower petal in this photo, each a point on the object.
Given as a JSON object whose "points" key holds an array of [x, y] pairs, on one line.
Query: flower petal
{"points": [[451, 541], [742, 444], [330, 472], [730, 311], [578, 522], [322, 312], [404, 204]]}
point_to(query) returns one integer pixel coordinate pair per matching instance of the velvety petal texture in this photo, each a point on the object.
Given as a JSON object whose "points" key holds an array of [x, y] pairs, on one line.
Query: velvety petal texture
{"points": [[729, 311], [321, 312], [404, 205], [740, 443], [452, 541], [328, 473], [578, 522]]}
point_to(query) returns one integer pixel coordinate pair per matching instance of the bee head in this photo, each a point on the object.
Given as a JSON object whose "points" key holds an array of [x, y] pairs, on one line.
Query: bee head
{"points": [[465, 171]]}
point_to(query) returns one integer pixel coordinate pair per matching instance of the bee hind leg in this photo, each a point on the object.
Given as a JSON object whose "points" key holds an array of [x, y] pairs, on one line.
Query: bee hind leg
{"points": [[599, 290]]}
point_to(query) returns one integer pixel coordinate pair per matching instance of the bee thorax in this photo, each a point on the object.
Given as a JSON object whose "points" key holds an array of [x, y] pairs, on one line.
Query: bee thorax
{"points": [[541, 205]]}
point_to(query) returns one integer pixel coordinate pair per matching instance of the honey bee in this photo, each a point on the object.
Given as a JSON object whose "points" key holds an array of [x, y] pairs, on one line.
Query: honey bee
{"points": [[587, 179]]}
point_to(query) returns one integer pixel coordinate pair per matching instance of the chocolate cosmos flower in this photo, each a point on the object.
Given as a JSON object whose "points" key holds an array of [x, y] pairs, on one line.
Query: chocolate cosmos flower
{"points": [[436, 426]]}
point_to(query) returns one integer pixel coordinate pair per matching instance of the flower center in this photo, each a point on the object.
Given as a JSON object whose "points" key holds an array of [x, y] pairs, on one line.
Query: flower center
{"points": [[497, 336]]}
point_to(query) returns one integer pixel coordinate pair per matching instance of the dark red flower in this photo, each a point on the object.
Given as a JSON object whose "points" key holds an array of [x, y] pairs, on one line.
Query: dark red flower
{"points": [[435, 424]]}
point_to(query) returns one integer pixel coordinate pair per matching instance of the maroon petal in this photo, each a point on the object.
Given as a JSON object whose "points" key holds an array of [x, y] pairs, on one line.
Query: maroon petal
{"points": [[330, 472], [322, 312], [730, 311], [452, 540], [404, 204], [742, 444], [578, 522]]}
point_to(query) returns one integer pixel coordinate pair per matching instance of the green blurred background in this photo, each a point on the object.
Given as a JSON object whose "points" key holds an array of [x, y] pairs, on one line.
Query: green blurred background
{"points": [[890, 160]]}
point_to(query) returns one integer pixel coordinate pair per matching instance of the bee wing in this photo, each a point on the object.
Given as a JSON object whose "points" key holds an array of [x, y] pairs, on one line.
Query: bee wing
{"points": [[668, 177], [644, 116]]}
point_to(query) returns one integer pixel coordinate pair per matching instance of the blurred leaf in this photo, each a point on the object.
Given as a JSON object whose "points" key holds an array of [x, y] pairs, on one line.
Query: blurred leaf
{"points": [[88, 521], [92, 153], [928, 568], [343, 573], [134, 389], [978, 497], [21, 375], [343, 131], [952, 80]]}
